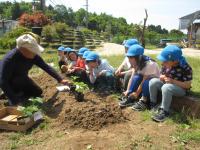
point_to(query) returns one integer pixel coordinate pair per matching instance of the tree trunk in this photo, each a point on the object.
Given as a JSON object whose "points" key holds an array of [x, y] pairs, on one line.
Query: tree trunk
{"points": [[143, 30]]}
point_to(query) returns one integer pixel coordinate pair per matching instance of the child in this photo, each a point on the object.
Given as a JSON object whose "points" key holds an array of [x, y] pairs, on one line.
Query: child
{"points": [[72, 61], [145, 69], [85, 54], [80, 68], [61, 56], [175, 80], [81, 62], [100, 72], [124, 71]]}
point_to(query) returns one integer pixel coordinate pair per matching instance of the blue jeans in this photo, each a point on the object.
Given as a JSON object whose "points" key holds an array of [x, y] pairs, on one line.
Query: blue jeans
{"points": [[137, 79], [168, 90]]}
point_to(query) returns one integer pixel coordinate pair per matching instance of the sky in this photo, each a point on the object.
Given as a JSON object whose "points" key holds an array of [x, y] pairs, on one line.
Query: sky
{"points": [[160, 12]]}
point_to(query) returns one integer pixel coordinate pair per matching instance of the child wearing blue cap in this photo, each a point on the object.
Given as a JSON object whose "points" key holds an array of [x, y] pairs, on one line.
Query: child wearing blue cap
{"points": [[62, 60], [72, 61], [145, 70], [124, 71], [80, 68], [175, 80], [100, 72]]}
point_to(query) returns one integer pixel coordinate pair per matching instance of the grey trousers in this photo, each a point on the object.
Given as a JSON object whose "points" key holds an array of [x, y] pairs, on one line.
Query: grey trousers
{"points": [[168, 90]]}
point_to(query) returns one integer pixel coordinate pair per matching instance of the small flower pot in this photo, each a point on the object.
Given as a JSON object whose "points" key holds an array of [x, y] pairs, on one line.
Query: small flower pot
{"points": [[79, 96], [72, 88], [37, 30]]}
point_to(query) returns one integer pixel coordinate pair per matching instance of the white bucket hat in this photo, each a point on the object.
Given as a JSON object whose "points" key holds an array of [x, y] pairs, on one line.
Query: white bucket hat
{"points": [[29, 42]]}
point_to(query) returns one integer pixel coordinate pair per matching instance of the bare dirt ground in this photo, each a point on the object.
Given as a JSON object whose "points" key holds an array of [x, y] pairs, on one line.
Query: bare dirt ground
{"points": [[115, 49], [94, 124]]}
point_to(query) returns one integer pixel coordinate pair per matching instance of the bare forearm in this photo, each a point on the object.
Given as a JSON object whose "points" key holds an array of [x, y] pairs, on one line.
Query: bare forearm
{"points": [[184, 85]]}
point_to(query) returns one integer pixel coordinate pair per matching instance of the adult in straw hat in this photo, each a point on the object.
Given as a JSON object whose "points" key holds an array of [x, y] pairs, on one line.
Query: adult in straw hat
{"points": [[14, 68]]}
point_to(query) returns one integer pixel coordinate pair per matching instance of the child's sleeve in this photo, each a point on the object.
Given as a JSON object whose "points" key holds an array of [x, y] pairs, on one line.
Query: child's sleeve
{"points": [[187, 75]]}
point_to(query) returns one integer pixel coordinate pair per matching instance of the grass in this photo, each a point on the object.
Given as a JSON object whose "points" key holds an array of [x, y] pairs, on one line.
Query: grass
{"points": [[151, 47]]}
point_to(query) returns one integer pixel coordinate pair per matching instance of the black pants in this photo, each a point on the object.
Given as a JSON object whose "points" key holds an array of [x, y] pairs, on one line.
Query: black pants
{"points": [[24, 88]]}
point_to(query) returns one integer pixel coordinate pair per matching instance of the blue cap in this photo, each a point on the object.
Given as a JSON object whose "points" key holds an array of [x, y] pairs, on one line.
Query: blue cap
{"points": [[170, 53], [92, 56], [82, 50], [135, 50], [61, 48], [67, 49], [85, 54], [131, 42]]}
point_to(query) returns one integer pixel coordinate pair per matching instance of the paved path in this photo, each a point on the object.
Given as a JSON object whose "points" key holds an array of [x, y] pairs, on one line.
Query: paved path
{"points": [[115, 49]]}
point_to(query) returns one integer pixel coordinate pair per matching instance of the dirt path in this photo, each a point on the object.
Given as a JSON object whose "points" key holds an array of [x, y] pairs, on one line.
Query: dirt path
{"points": [[109, 49]]}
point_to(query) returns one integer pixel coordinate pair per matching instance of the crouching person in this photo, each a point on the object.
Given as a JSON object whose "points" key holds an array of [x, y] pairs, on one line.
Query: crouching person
{"points": [[14, 67], [175, 80], [144, 70], [124, 71], [101, 73], [80, 68]]}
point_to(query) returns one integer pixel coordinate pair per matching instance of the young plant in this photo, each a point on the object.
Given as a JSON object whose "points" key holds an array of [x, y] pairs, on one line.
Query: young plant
{"points": [[32, 106], [81, 87]]}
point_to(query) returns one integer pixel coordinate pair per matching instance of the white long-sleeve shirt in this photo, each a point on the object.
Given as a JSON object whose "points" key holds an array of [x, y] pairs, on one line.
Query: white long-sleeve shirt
{"points": [[126, 64], [104, 67]]}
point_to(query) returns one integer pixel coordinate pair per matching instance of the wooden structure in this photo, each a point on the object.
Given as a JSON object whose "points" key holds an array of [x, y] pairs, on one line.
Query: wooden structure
{"points": [[191, 22]]}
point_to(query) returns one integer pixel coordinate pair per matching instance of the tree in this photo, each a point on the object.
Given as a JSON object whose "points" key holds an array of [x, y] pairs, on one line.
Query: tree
{"points": [[61, 12], [80, 16], [15, 11]]}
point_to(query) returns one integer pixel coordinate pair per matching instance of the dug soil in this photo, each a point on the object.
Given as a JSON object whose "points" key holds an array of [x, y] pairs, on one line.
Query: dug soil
{"points": [[96, 123]]}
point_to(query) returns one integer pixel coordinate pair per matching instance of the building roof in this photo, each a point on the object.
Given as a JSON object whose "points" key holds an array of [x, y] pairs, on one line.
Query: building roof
{"points": [[192, 15], [186, 21]]}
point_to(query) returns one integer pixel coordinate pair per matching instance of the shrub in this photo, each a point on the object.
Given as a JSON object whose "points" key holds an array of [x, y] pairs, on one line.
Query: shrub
{"points": [[54, 31], [49, 33], [8, 41], [61, 28], [119, 39], [37, 19]]}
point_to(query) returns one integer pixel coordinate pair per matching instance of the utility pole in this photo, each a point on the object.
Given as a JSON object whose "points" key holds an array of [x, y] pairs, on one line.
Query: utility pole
{"points": [[41, 4], [86, 16]]}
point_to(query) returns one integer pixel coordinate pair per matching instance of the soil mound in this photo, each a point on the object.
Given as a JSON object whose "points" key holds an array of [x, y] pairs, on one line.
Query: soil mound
{"points": [[93, 113]]}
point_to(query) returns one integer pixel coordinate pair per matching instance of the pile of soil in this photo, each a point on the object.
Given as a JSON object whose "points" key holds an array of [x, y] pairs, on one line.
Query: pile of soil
{"points": [[93, 113]]}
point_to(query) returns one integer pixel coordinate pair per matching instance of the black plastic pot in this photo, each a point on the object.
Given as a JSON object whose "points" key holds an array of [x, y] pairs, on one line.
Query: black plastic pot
{"points": [[72, 88], [37, 30], [79, 96]]}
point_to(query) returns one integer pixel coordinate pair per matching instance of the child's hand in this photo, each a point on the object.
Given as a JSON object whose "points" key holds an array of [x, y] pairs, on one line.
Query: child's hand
{"points": [[64, 68], [162, 77], [125, 93], [102, 72], [117, 72], [72, 70], [168, 80], [134, 95], [64, 81]]}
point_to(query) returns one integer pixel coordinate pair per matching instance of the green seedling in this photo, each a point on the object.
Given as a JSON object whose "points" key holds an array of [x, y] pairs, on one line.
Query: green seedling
{"points": [[81, 87], [32, 106]]}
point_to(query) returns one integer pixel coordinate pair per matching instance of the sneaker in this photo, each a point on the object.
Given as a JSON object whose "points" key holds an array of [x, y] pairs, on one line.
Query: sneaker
{"points": [[122, 98], [154, 108], [140, 106], [126, 102], [160, 116]]}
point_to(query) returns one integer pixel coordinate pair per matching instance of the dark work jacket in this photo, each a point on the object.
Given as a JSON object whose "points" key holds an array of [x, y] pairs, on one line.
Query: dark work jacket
{"points": [[14, 64]]}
